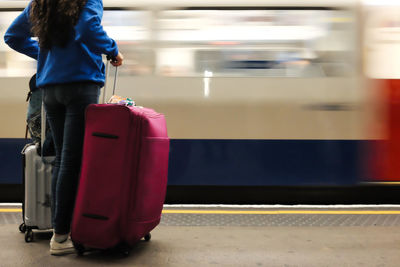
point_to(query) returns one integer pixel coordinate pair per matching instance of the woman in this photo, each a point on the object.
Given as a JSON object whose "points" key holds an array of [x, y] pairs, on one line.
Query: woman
{"points": [[70, 71]]}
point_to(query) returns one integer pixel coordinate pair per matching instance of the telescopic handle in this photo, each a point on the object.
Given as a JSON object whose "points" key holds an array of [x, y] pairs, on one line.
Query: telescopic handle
{"points": [[109, 58], [42, 123]]}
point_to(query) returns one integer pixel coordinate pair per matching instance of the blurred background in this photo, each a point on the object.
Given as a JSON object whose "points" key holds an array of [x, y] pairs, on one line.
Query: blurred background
{"points": [[256, 93], [227, 42]]}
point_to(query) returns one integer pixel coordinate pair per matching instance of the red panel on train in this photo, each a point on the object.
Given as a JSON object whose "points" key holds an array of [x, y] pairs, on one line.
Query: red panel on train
{"points": [[385, 165]]}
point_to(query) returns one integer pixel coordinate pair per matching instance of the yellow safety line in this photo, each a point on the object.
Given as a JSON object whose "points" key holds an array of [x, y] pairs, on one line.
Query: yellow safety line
{"points": [[265, 212], [262, 212], [10, 210]]}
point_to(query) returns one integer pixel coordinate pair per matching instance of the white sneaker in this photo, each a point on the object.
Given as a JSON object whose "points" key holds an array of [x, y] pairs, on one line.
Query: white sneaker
{"points": [[66, 247]]}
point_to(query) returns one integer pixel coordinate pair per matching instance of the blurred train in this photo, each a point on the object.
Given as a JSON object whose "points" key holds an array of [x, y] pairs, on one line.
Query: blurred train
{"points": [[257, 94]]}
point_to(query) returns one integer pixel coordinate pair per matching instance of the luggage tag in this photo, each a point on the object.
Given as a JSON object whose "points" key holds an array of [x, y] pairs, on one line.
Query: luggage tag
{"points": [[119, 100], [116, 99]]}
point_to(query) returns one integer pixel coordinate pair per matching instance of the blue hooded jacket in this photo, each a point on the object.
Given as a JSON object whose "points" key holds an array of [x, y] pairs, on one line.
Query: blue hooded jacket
{"points": [[80, 60]]}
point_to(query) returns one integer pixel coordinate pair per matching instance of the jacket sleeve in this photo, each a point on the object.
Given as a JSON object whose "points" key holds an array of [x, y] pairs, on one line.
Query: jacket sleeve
{"points": [[90, 31], [18, 36]]}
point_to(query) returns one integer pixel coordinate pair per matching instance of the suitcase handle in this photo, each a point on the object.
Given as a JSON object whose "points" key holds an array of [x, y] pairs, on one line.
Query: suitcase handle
{"points": [[42, 124], [109, 58], [43, 121]]}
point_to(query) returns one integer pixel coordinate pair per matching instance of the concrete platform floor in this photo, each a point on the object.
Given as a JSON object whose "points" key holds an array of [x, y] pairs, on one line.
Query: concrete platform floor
{"points": [[225, 246]]}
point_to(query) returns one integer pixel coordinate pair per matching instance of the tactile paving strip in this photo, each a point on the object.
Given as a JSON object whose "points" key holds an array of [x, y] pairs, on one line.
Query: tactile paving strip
{"points": [[10, 218], [310, 220]]}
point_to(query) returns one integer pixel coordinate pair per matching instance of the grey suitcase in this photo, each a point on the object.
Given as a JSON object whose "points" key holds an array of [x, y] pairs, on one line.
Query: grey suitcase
{"points": [[37, 186]]}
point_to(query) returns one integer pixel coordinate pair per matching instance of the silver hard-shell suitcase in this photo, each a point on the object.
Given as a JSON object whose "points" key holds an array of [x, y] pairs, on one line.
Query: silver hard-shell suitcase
{"points": [[37, 187]]}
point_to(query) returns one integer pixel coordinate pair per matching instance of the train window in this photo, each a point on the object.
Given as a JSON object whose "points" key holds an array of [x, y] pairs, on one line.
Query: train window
{"points": [[13, 63], [270, 43], [127, 27], [275, 42], [382, 41]]}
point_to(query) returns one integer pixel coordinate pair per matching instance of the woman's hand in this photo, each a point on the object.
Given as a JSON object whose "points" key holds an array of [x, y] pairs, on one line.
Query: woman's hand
{"points": [[117, 61]]}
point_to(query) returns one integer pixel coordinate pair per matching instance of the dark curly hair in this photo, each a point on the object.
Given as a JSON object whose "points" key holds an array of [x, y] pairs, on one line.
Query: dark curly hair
{"points": [[53, 20]]}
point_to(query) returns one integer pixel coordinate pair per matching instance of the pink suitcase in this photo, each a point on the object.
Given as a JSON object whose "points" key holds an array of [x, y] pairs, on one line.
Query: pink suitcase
{"points": [[123, 177]]}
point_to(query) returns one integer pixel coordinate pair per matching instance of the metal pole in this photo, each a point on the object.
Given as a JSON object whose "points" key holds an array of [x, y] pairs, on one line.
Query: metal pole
{"points": [[115, 79], [105, 83]]}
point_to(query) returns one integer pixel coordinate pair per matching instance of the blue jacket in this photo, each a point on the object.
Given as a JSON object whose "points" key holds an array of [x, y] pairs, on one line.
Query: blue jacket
{"points": [[79, 60]]}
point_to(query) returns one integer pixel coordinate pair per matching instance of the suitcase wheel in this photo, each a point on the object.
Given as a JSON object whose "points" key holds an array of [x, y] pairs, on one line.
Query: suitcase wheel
{"points": [[22, 228], [147, 237], [28, 236], [79, 248], [124, 249], [125, 252]]}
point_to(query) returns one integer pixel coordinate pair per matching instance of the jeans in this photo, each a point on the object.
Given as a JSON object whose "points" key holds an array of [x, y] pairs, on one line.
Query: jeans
{"points": [[65, 105]]}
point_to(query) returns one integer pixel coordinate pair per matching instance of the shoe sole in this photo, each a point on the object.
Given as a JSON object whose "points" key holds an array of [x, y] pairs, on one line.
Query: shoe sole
{"points": [[56, 252]]}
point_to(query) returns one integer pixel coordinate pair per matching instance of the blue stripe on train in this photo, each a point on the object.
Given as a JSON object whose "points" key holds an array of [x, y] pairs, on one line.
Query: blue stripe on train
{"points": [[11, 160], [264, 162], [238, 162]]}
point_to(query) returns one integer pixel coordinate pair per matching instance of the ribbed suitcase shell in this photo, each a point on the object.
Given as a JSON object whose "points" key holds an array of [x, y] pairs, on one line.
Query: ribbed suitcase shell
{"points": [[123, 176], [37, 202]]}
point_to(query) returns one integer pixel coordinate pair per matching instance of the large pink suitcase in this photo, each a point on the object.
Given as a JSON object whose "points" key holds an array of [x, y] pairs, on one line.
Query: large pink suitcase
{"points": [[123, 177]]}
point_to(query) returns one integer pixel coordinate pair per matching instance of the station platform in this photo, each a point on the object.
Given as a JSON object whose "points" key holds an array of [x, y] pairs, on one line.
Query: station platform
{"points": [[223, 235]]}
